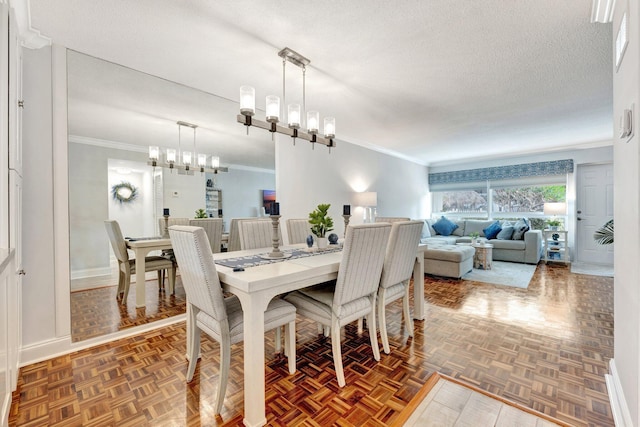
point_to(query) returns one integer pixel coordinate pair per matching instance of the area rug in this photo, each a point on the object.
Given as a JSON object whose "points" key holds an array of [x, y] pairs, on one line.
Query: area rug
{"points": [[445, 401], [513, 274], [592, 269]]}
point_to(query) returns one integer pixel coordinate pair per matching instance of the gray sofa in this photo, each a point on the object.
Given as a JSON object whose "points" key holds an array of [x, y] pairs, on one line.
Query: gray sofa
{"points": [[527, 250]]}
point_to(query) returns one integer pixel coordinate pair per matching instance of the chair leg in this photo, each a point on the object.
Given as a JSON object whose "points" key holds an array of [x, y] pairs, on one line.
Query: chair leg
{"points": [[120, 284], [290, 345], [373, 334], [408, 322], [360, 326], [194, 349], [337, 353], [382, 320], [172, 280], [160, 280], [225, 362], [127, 283], [278, 340]]}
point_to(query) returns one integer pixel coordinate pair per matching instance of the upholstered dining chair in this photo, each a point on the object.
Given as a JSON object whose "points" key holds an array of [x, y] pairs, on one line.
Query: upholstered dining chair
{"points": [[172, 221], [213, 228], [353, 295], [127, 266], [298, 230], [256, 234], [234, 233], [396, 273], [220, 318], [391, 219]]}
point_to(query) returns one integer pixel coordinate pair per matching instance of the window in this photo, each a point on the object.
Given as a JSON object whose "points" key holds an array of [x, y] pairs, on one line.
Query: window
{"points": [[529, 200], [462, 203]]}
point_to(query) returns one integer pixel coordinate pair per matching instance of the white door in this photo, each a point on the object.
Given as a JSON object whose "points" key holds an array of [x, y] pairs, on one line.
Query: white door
{"points": [[594, 207]]}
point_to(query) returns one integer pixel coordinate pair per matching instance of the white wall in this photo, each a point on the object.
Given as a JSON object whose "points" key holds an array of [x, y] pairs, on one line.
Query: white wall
{"points": [[626, 91], [306, 178]]}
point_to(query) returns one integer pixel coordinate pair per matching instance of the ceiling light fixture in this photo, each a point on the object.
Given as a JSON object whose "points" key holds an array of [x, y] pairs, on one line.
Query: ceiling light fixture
{"points": [[172, 156], [295, 112]]}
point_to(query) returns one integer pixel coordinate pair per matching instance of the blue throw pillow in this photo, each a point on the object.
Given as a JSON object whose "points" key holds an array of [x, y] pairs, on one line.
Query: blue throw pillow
{"points": [[444, 226], [519, 228], [506, 233], [492, 231]]}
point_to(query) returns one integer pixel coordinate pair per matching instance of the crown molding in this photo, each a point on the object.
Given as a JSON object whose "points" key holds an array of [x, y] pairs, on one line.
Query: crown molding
{"points": [[107, 144], [31, 38]]}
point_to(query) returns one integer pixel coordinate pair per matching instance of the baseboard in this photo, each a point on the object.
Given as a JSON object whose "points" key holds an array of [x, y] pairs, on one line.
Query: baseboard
{"points": [[49, 349], [619, 408]]}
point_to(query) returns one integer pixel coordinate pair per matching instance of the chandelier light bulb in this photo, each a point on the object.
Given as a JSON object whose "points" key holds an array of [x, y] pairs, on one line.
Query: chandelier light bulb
{"points": [[186, 158], [202, 160], [154, 153], [329, 127], [313, 122], [294, 116], [171, 156], [215, 162], [273, 108], [247, 100]]}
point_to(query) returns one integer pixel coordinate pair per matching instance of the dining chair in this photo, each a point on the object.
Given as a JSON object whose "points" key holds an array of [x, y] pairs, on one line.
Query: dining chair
{"points": [[396, 273], [172, 221], [127, 266], [353, 294], [234, 234], [213, 228], [391, 219], [298, 230], [220, 318], [256, 234]]}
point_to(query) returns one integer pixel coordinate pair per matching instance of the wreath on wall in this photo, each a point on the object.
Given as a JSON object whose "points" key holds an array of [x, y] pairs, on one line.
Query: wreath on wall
{"points": [[125, 192]]}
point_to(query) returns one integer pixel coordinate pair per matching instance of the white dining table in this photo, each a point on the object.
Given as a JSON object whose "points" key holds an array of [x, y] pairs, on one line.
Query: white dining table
{"points": [[141, 248], [256, 286]]}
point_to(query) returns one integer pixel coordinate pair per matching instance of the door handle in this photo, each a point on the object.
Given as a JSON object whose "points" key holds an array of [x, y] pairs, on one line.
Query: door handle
{"points": [[21, 272], [579, 212], [579, 219]]}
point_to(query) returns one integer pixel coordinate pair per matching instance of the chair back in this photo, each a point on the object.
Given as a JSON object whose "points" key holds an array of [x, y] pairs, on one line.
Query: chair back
{"points": [[198, 270], [361, 265], [117, 240], [298, 230], [391, 219], [401, 252], [256, 234], [234, 233], [213, 228], [172, 221]]}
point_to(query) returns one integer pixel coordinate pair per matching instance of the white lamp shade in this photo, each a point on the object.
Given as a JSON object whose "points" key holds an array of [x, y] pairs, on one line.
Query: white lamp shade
{"points": [[186, 158], [247, 100], [154, 152], [215, 162], [329, 127], [171, 155], [293, 116], [313, 122], [202, 160], [366, 199], [273, 108], [556, 208]]}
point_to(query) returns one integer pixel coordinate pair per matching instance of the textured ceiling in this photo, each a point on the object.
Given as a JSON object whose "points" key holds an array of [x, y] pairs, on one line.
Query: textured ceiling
{"points": [[433, 81]]}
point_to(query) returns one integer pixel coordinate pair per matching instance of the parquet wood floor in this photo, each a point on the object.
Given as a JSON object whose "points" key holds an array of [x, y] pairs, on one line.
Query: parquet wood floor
{"points": [[96, 312], [545, 347]]}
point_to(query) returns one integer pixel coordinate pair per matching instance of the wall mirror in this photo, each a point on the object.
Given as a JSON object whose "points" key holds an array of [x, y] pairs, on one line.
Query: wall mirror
{"points": [[114, 115]]}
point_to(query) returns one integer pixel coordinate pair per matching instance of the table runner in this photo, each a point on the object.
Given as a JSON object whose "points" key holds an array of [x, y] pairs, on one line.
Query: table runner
{"points": [[255, 260]]}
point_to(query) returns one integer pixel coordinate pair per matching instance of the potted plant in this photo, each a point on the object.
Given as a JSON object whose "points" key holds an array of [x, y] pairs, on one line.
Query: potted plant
{"points": [[554, 224], [201, 213], [475, 236], [321, 223]]}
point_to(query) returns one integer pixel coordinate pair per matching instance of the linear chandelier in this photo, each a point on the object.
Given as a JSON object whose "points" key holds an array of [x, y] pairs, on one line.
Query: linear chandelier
{"points": [[183, 160], [295, 113]]}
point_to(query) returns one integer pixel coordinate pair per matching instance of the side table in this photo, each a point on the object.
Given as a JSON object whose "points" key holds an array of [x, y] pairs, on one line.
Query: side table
{"points": [[483, 258]]}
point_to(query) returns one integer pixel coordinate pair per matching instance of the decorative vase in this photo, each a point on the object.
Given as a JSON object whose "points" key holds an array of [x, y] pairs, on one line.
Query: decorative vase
{"points": [[322, 242], [310, 240], [333, 238]]}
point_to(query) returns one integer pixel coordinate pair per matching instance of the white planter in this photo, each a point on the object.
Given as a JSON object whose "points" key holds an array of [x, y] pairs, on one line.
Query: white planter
{"points": [[322, 242]]}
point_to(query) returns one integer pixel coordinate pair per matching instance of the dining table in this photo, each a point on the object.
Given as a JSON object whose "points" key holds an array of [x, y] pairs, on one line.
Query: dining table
{"points": [[141, 248], [256, 285]]}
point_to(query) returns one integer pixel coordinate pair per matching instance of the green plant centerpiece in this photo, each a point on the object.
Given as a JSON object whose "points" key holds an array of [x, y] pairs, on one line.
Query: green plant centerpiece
{"points": [[321, 223], [554, 224], [474, 236], [201, 213]]}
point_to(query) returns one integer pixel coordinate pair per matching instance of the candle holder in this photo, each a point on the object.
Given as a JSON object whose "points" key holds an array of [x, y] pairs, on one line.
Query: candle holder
{"points": [[276, 253], [346, 223], [165, 231]]}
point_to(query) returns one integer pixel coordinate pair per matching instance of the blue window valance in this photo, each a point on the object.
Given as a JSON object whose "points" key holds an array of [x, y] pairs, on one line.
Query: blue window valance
{"points": [[555, 167]]}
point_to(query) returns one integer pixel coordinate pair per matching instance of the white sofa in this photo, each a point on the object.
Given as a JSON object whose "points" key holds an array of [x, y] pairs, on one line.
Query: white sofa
{"points": [[527, 250]]}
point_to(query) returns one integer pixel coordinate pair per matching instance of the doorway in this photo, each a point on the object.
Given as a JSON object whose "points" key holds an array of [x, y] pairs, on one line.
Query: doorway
{"points": [[594, 207]]}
